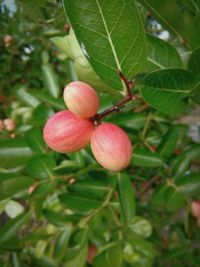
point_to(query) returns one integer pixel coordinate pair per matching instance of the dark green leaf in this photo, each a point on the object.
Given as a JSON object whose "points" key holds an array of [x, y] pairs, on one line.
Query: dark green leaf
{"points": [[169, 142], [145, 158], [35, 140], [126, 197], [109, 256], [12, 186], [41, 166], [189, 185], [166, 90], [175, 200], [73, 202], [131, 120], [67, 166], [89, 188], [10, 229], [161, 54], [183, 161], [194, 63], [14, 152], [112, 36], [60, 219]]}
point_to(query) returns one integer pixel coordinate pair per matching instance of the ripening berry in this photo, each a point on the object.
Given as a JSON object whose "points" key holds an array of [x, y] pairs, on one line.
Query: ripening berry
{"points": [[81, 99], [65, 132], [196, 209], [111, 147], [9, 124]]}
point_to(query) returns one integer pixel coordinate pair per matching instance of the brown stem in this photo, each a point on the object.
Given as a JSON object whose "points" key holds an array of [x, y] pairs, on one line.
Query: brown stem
{"points": [[129, 97]]}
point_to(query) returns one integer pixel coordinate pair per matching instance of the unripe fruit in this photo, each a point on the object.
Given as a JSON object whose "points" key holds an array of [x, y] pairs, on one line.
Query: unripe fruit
{"points": [[195, 208], [65, 132], [111, 147], [81, 99]]}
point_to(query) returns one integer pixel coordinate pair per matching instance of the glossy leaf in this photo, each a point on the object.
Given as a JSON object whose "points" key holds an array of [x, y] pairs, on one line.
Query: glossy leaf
{"points": [[140, 226], [126, 197], [167, 90], [73, 202], [92, 188], [112, 36], [60, 219], [189, 185], [169, 142], [174, 199], [41, 166], [183, 161], [10, 229], [145, 158], [12, 186], [131, 120], [161, 54], [35, 140]]}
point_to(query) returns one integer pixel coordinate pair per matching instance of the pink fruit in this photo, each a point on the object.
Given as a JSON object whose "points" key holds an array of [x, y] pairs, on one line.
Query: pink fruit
{"points": [[9, 124], [65, 132], [196, 209], [81, 99], [111, 147]]}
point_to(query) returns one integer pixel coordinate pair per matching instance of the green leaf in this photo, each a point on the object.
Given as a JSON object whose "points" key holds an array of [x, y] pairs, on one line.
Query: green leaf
{"points": [[189, 185], [35, 140], [62, 244], [51, 80], [26, 97], [140, 226], [159, 196], [112, 36], [126, 198], [12, 186], [41, 166], [57, 103], [62, 44], [183, 161], [67, 166], [60, 219], [144, 252], [161, 54], [145, 158], [109, 256], [91, 188], [172, 17], [14, 152], [169, 142], [194, 63], [167, 90], [77, 255], [131, 120], [10, 229], [73, 202], [175, 200]]}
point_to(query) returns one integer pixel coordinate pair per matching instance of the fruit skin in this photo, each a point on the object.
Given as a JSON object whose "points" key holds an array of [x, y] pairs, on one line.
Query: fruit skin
{"points": [[195, 208], [111, 147], [65, 132], [9, 124], [81, 99]]}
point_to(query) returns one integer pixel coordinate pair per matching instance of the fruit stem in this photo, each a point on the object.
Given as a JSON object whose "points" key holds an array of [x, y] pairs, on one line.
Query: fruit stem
{"points": [[129, 97]]}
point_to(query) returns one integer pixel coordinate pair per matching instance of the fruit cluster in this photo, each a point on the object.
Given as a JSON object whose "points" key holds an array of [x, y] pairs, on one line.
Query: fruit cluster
{"points": [[71, 130]]}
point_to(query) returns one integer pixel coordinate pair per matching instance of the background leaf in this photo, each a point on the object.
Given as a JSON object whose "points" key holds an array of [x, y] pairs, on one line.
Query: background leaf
{"points": [[166, 89]]}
